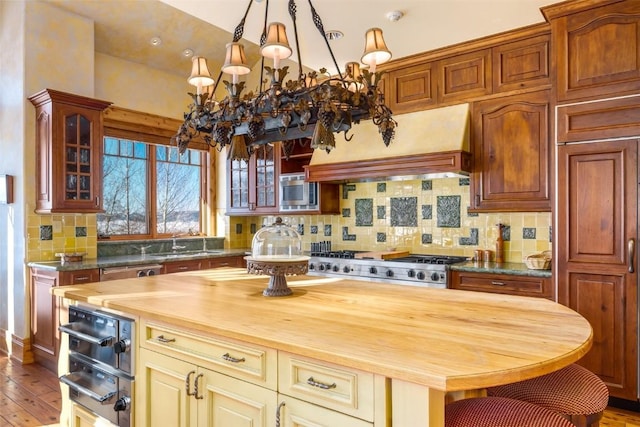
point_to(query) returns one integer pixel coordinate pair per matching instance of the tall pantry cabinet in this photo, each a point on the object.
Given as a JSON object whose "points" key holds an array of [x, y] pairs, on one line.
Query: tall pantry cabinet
{"points": [[596, 47]]}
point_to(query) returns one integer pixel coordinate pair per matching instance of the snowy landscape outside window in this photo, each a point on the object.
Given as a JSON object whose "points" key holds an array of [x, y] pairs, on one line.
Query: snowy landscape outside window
{"points": [[149, 190]]}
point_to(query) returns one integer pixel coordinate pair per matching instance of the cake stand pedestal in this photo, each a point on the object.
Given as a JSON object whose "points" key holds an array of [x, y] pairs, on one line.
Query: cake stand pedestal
{"points": [[277, 268]]}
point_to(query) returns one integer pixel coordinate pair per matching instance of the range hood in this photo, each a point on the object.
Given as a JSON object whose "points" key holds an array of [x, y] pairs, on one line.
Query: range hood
{"points": [[428, 144]]}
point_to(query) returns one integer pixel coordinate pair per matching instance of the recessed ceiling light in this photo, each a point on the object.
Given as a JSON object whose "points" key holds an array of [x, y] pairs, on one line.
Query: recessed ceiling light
{"points": [[187, 53], [155, 41], [334, 35]]}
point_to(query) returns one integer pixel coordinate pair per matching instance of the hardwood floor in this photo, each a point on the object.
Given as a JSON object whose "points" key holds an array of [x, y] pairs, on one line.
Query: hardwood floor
{"points": [[30, 396]]}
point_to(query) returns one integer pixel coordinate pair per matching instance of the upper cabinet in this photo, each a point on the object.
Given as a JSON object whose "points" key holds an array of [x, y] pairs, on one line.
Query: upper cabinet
{"points": [[511, 154], [596, 48], [68, 152], [507, 62]]}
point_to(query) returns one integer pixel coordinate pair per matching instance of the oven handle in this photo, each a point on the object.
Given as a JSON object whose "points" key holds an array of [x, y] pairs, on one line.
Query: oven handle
{"points": [[102, 342], [104, 400]]}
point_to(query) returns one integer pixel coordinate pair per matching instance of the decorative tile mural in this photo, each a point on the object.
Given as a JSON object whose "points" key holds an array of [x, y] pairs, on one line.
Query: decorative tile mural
{"points": [[404, 211], [364, 212], [448, 211]]}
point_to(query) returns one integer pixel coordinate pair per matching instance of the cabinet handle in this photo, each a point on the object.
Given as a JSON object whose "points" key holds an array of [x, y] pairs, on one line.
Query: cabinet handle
{"points": [[494, 283], [81, 279], [278, 410], [183, 267], [630, 250], [162, 339], [323, 386], [232, 359], [196, 390], [97, 201], [188, 384]]}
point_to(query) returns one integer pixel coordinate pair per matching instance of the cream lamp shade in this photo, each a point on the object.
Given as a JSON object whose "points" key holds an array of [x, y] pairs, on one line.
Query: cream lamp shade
{"points": [[375, 49], [235, 61], [200, 75], [276, 45]]}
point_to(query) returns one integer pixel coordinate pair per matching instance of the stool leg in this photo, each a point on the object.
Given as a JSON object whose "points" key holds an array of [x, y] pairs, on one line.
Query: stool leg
{"points": [[592, 420]]}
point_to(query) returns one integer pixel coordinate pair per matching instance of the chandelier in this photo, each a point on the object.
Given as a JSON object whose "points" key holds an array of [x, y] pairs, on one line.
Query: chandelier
{"points": [[313, 105]]}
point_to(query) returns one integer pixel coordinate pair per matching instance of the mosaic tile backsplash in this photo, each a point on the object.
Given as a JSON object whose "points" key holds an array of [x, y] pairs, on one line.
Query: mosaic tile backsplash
{"points": [[422, 216]]}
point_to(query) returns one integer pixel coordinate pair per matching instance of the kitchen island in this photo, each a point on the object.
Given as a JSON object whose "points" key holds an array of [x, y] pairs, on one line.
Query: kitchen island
{"points": [[417, 344]]}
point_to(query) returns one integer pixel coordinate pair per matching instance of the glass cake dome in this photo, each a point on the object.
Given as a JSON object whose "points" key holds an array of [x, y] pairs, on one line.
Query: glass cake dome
{"points": [[276, 242]]}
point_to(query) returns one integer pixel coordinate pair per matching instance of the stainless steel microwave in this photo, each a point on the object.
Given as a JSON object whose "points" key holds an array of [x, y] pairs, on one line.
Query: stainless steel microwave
{"points": [[296, 194]]}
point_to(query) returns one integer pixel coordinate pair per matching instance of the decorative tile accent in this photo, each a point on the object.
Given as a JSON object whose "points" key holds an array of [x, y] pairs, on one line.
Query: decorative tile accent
{"points": [[472, 214], [427, 185], [253, 228], [345, 190], [381, 187], [382, 212], [427, 239], [462, 182], [238, 228], [327, 229], [364, 212], [427, 212], [528, 233], [381, 237], [346, 236], [46, 232], [506, 233], [81, 231], [404, 211], [313, 229], [301, 229], [346, 212], [448, 211], [471, 240]]}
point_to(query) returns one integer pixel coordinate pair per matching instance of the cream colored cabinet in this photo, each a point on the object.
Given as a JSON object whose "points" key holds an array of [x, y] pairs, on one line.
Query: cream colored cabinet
{"points": [[187, 379], [80, 417], [317, 394]]}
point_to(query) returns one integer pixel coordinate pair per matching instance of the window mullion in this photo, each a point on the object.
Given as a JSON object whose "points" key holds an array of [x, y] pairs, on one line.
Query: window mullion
{"points": [[153, 214]]}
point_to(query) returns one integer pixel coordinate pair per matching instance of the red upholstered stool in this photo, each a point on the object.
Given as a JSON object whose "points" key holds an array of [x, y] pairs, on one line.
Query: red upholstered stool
{"points": [[574, 392], [500, 412]]}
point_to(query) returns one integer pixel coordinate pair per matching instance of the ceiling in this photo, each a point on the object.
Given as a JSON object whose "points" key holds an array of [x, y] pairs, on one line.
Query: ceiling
{"points": [[124, 28]]}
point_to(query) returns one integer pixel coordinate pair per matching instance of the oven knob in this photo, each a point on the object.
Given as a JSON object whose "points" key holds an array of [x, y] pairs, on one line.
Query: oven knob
{"points": [[420, 275], [373, 270], [346, 269], [435, 277], [151, 273], [411, 273], [336, 268], [121, 346], [389, 273], [322, 267], [312, 266], [141, 273], [122, 404]]}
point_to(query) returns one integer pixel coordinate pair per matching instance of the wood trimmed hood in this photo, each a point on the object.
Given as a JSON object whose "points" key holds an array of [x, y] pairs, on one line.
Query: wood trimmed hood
{"points": [[428, 144]]}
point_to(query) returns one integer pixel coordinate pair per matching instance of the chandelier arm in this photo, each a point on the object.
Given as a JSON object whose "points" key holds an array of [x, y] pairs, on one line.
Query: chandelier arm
{"points": [[239, 31], [318, 22], [263, 39], [292, 13]]}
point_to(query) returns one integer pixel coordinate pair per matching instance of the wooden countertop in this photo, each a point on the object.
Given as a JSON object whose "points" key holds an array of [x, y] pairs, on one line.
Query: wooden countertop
{"points": [[441, 338]]}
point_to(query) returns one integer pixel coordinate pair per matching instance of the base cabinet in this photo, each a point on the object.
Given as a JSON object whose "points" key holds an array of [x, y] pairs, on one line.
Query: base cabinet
{"points": [[178, 393], [297, 413], [80, 417], [528, 286]]}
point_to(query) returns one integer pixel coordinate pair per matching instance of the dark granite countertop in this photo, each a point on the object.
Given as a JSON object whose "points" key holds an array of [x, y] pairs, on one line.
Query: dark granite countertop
{"points": [[123, 260], [513, 268]]}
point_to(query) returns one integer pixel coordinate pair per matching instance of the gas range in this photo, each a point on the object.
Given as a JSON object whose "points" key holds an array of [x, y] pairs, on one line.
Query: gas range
{"points": [[413, 269]]}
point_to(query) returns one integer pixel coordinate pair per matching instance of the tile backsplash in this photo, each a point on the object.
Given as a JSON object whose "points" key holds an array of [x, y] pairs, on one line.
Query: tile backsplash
{"points": [[422, 216], [49, 234]]}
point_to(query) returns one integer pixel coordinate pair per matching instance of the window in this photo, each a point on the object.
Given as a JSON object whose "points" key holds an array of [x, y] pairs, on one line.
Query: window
{"points": [[150, 190]]}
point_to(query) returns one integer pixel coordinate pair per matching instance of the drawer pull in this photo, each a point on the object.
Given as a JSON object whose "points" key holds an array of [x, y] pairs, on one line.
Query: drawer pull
{"points": [[494, 283], [188, 384], [232, 359], [196, 390], [81, 278], [323, 386], [162, 339]]}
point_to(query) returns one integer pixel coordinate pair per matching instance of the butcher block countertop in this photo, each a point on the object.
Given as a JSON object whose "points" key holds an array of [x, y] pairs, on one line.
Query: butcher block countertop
{"points": [[444, 339]]}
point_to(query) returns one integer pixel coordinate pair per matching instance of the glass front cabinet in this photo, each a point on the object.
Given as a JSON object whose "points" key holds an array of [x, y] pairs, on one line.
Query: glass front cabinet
{"points": [[253, 184], [68, 152]]}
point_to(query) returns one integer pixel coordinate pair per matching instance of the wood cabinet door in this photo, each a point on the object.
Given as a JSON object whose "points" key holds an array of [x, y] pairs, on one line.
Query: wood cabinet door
{"points": [[511, 154], [465, 76], [597, 258], [224, 401], [253, 186], [521, 64], [412, 88], [161, 391], [44, 318], [598, 51]]}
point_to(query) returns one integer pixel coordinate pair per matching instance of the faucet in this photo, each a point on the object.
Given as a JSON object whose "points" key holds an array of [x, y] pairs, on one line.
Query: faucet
{"points": [[175, 246], [143, 250]]}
